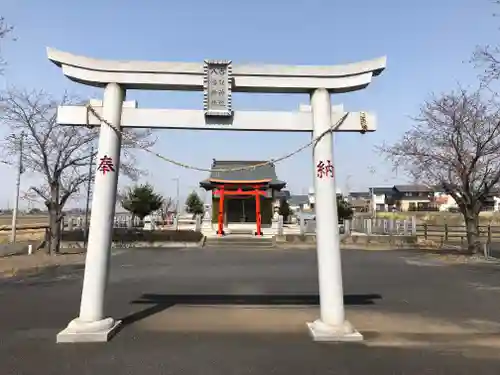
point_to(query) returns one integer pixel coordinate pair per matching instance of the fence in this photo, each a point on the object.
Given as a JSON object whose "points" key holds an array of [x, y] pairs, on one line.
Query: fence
{"points": [[450, 233], [443, 232], [360, 225], [71, 222], [77, 222], [382, 226]]}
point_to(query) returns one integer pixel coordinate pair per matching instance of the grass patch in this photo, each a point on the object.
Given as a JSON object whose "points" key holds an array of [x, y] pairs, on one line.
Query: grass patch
{"points": [[393, 215], [439, 218]]}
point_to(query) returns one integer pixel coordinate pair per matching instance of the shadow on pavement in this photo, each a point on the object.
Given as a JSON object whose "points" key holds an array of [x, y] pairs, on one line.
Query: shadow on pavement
{"points": [[162, 302]]}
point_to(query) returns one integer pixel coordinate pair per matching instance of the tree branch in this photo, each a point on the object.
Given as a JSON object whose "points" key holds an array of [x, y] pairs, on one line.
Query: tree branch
{"points": [[454, 143], [56, 152], [5, 31]]}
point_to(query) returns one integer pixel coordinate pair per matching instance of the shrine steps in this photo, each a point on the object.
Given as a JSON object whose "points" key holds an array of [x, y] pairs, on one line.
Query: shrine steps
{"points": [[236, 241], [241, 231]]}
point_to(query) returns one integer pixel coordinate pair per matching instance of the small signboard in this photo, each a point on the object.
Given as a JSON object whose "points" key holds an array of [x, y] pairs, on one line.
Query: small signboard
{"points": [[217, 88]]}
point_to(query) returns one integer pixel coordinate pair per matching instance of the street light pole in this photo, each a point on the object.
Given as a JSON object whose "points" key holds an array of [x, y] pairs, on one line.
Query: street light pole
{"points": [[86, 229], [18, 186], [373, 206]]}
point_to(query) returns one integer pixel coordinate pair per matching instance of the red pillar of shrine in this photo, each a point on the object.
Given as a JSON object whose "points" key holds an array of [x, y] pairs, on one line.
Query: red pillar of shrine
{"points": [[220, 230], [258, 217]]}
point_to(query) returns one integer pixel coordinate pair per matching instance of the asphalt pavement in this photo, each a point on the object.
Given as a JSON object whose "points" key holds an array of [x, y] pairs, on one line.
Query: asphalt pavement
{"points": [[232, 311]]}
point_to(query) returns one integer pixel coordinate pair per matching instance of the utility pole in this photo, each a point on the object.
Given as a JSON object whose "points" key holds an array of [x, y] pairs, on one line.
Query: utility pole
{"points": [[89, 185], [18, 186], [373, 206], [177, 204], [347, 185]]}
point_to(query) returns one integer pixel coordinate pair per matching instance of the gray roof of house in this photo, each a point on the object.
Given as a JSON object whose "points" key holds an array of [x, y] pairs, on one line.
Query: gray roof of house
{"points": [[298, 199], [356, 194], [413, 188], [283, 194], [382, 190], [264, 172]]}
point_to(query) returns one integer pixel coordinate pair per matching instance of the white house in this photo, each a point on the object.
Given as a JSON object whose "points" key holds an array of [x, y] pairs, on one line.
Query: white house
{"points": [[445, 201], [380, 197], [300, 203]]}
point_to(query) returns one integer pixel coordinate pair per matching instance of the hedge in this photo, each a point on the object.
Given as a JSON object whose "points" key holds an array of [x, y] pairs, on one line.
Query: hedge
{"points": [[135, 235]]}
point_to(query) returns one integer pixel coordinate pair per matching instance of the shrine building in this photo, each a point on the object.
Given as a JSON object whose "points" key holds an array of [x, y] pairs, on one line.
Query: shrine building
{"points": [[245, 196]]}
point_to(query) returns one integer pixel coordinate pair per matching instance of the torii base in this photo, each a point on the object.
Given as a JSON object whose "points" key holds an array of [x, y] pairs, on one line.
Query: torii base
{"points": [[78, 331], [322, 332]]}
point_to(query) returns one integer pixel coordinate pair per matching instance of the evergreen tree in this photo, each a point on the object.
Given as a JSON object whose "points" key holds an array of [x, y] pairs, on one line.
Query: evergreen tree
{"points": [[194, 204], [141, 200], [284, 209], [344, 209]]}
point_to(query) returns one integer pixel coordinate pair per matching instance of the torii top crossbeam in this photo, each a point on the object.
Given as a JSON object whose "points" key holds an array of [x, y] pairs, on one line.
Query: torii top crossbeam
{"points": [[189, 76]]}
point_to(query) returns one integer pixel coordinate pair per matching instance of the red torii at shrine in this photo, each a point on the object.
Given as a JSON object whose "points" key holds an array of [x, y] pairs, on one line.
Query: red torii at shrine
{"points": [[256, 190], [233, 183]]}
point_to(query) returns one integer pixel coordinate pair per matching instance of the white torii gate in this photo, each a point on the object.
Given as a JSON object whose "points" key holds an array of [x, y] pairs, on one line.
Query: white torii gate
{"points": [[217, 78]]}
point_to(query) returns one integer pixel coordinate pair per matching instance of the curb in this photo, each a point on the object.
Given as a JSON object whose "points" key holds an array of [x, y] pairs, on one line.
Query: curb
{"points": [[346, 247]]}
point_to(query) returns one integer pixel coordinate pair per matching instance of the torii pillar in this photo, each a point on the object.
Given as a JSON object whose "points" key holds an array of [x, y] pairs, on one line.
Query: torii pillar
{"points": [[317, 81]]}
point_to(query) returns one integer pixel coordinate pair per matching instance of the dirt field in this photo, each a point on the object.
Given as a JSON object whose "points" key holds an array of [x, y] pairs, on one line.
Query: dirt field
{"points": [[22, 220], [22, 235]]}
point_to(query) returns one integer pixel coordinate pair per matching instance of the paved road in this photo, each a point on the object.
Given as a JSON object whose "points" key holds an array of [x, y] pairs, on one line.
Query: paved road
{"points": [[189, 312]]}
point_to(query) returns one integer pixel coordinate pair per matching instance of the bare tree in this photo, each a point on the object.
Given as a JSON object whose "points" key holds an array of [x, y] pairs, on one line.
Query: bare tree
{"points": [[487, 58], [60, 154], [168, 206], [5, 30], [454, 145]]}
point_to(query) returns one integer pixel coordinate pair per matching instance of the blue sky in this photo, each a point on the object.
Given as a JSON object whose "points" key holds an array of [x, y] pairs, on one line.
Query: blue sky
{"points": [[427, 44]]}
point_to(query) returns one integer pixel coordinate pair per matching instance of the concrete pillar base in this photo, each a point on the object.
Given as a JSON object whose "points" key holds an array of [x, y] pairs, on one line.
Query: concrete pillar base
{"points": [[80, 331], [323, 332]]}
